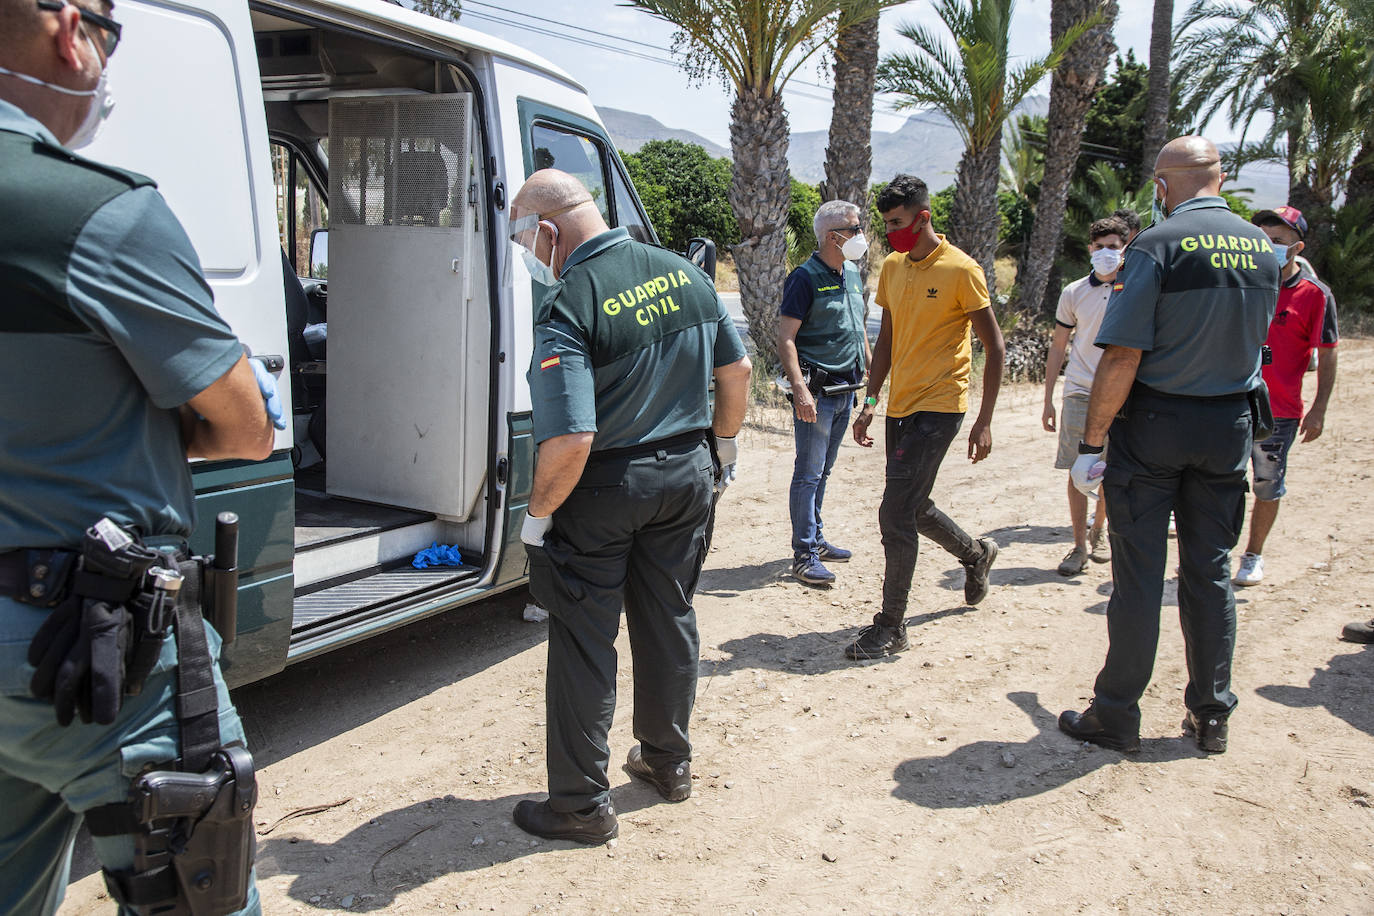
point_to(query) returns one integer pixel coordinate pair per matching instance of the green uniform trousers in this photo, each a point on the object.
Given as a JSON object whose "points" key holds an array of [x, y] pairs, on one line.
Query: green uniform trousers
{"points": [[632, 534], [1188, 456], [51, 774]]}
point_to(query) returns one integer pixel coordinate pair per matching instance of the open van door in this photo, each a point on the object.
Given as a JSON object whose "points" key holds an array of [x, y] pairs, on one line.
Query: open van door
{"points": [[194, 70]]}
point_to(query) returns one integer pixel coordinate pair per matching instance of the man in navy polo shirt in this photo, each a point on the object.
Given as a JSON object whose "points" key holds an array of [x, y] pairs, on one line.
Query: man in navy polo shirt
{"points": [[822, 344]]}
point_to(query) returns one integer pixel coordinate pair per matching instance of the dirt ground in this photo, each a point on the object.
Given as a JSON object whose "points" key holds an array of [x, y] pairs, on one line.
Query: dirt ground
{"points": [[934, 781]]}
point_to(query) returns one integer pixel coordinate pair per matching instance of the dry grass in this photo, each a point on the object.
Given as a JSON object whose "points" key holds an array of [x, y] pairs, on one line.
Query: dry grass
{"points": [[727, 278]]}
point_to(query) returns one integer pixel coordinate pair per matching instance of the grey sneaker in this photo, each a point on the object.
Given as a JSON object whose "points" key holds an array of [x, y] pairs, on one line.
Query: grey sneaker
{"points": [[673, 782], [1097, 545]]}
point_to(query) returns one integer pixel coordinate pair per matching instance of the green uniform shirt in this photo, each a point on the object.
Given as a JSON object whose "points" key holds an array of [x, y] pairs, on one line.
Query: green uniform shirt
{"points": [[625, 344], [107, 327], [1196, 294], [829, 304]]}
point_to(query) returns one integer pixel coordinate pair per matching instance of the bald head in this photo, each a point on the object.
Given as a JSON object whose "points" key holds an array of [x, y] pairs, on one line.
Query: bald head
{"points": [[562, 200], [1190, 167], [548, 190]]}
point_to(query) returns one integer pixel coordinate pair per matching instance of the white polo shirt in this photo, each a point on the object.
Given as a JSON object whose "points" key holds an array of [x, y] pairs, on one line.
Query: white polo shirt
{"points": [[1081, 307]]}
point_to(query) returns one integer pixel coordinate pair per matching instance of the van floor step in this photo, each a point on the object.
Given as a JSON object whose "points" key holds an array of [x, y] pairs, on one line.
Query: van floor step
{"points": [[374, 590], [323, 519]]}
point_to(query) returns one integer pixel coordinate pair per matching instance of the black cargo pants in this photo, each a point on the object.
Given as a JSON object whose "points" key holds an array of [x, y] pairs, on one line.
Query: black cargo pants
{"points": [[632, 534], [1188, 456]]}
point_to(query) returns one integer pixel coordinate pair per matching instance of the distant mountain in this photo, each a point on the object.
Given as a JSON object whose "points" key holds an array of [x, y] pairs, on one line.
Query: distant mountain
{"points": [[630, 131], [927, 145]]}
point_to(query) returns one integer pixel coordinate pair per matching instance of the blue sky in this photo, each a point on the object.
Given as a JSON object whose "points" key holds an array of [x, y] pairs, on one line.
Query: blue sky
{"points": [[619, 80]]}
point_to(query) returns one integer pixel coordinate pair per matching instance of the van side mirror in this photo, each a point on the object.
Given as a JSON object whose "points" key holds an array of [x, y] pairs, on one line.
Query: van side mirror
{"points": [[702, 253], [319, 254]]}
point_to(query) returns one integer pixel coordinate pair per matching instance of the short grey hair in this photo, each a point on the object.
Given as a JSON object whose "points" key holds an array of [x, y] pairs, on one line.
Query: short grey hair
{"points": [[832, 215]]}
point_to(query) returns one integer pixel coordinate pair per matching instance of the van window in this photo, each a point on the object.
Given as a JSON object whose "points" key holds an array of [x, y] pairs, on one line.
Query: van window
{"points": [[627, 211], [301, 208], [576, 154]]}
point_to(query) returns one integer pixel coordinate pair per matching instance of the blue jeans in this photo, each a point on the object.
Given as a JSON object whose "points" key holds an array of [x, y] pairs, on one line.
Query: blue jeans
{"points": [[817, 445], [1270, 459], [50, 774]]}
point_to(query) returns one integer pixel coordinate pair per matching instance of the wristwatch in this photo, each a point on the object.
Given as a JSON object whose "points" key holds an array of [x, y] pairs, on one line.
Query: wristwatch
{"points": [[1086, 449]]}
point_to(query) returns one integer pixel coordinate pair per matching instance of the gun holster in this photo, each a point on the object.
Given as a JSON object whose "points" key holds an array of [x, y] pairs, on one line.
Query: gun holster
{"points": [[1261, 413], [193, 838], [192, 820]]}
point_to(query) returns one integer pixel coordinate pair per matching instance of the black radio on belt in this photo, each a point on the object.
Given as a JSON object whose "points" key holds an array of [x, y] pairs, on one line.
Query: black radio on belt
{"points": [[1266, 355]]}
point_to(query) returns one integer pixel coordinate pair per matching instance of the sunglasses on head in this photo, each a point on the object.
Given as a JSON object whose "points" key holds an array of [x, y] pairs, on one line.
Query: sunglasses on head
{"points": [[109, 29]]}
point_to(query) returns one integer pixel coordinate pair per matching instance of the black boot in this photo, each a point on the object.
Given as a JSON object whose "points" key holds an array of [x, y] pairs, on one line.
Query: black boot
{"points": [[592, 827], [1086, 726]]}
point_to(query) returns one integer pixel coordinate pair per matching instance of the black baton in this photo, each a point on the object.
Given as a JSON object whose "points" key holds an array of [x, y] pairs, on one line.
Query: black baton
{"points": [[226, 567]]}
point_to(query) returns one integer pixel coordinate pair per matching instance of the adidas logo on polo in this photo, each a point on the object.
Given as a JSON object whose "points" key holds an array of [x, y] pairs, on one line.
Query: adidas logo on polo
{"points": [[932, 293]]}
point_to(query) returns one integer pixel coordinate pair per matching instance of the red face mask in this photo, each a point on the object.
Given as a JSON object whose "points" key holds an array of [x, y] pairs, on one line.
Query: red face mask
{"points": [[904, 239]]}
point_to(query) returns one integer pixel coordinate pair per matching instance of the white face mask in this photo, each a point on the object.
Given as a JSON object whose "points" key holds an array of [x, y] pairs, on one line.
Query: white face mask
{"points": [[854, 248], [102, 101], [539, 271], [1105, 260]]}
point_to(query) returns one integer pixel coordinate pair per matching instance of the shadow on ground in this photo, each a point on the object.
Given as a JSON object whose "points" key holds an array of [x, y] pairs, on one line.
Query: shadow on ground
{"points": [[992, 772], [1342, 688], [409, 847], [805, 653]]}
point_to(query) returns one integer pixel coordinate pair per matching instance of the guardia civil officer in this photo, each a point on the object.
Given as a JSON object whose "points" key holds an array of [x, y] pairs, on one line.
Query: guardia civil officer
{"points": [[115, 368], [1181, 375], [626, 344], [822, 346]]}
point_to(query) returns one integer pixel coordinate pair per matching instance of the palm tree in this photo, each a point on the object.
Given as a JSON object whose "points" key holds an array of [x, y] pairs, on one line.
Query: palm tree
{"points": [[849, 154], [756, 46], [1072, 89], [1248, 58], [972, 87], [1157, 100]]}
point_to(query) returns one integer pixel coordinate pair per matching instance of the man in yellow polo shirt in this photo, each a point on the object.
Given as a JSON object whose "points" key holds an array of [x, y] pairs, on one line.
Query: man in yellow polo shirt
{"points": [[931, 294]]}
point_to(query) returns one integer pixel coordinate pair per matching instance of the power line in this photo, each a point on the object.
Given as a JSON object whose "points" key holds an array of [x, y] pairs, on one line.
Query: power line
{"points": [[793, 85]]}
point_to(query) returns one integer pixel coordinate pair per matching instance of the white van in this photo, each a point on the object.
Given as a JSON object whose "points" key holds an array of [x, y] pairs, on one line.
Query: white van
{"points": [[402, 334]]}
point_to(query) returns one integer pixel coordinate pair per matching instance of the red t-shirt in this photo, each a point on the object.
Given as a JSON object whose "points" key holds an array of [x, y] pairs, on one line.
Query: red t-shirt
{"points": [[1294, 332]]}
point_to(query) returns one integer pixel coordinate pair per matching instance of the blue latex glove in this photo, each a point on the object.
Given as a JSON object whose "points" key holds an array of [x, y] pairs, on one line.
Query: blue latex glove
{"points": [[268, 386], [437, 555]]}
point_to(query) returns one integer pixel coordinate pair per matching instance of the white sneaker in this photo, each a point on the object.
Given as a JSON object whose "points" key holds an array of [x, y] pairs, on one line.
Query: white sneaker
{"points": [[1251, 570]]}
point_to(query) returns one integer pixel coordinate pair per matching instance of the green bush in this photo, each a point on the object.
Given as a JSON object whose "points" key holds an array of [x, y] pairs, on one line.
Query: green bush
{"points": [[685, 192]]}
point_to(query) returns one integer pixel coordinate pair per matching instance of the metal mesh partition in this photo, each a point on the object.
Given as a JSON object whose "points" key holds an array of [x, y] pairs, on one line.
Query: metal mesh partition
{"points": [[399, 160]]}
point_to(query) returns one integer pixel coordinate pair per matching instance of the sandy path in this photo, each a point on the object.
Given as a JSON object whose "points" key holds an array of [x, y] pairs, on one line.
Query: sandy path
{"points": [[932, 782]]}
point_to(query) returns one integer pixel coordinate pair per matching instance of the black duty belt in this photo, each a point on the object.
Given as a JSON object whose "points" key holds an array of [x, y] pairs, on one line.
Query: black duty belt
{"points": [[35, 576], [1142, 389], [643, 449]]}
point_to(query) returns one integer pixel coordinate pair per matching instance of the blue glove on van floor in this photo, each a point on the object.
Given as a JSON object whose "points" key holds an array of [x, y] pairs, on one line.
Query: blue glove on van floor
{"points": [[436, 555]]}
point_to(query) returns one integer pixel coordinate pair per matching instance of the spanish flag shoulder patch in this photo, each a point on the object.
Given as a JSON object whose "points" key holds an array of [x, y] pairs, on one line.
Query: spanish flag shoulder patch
{"points": [[1118, 287], [549, 363]]}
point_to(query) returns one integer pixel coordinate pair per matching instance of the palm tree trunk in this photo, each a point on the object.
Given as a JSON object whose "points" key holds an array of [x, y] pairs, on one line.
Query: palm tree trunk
{"points": [[1157, 96], [1072, 89], [849, 154], [974, 218], [760, 193]]}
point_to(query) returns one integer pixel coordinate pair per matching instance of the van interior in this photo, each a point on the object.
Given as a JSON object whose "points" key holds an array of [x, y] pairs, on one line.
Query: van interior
{"points": [[376, 159]]}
